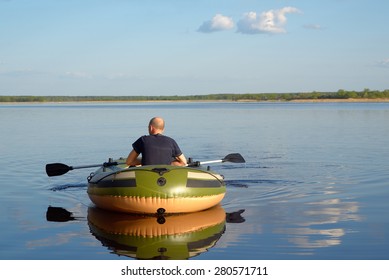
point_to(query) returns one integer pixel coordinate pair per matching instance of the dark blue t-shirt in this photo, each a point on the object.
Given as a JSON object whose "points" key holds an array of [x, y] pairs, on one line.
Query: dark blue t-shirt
{"points": [[156, 149]]}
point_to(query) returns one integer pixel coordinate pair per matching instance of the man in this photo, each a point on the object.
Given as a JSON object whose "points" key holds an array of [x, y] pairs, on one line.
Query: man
{"points": [[156, 148]]}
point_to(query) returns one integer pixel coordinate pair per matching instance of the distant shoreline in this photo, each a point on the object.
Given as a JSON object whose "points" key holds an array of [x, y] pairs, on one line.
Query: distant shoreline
{"points": [[303, 97], [324, 100], [348, 100]]}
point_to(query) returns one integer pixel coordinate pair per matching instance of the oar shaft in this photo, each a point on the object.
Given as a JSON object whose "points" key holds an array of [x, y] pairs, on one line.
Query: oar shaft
{"points": [[85, 166], [211, 161]]}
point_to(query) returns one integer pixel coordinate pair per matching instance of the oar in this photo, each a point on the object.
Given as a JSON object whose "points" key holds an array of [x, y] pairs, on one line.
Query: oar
{"points": [[235, 158], [57, 169]]}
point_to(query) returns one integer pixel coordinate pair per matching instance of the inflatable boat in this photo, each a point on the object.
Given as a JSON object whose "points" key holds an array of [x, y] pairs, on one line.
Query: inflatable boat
{"points": [[155, 189]]}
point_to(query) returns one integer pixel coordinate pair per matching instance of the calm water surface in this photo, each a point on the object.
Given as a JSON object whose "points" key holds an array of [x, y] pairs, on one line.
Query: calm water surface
{"points": [[315, 184]]}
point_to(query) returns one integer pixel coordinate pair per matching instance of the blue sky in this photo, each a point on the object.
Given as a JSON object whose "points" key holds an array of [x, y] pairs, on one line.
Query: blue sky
{"points": [[178, 47]]}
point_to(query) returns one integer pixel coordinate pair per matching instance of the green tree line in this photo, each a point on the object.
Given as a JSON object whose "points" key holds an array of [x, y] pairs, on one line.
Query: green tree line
{"points": [[340, 94]]}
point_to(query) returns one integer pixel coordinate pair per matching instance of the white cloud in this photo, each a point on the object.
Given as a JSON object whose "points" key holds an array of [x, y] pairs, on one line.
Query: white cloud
{"points": [[313, 26], [78, 75], [19, 73], [217, 23], [272, 21], [383, 63]]}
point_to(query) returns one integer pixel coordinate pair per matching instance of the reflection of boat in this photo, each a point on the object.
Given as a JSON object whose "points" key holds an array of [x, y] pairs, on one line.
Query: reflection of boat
{"points": [[152, 189], [178, 236]]}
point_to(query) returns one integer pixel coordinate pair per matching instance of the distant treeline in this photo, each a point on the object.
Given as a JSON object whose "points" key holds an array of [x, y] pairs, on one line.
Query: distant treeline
{"points": [[340, 94]]}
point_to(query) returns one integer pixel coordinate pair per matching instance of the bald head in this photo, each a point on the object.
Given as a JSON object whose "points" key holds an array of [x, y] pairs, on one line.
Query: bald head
{"points": [[156, 125]]}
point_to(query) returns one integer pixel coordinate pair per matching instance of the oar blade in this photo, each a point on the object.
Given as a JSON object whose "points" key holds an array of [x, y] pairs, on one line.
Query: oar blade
{"points": [[235, 157], [57, 169]]}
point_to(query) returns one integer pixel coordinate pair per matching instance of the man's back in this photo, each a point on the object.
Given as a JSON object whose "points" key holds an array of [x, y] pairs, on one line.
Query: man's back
{"points": [[157, 149]]}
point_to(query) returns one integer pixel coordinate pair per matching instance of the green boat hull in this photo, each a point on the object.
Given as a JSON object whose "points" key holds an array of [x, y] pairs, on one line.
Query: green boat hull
{"points": [[155, 189]]}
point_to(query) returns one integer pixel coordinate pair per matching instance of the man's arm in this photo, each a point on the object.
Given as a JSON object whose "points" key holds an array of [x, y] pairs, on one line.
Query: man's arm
{"points": [[132, 159], [180, 161]]}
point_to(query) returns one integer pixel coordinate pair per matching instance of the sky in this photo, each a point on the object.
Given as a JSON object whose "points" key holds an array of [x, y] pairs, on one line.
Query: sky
{"points": [[181, 47]]}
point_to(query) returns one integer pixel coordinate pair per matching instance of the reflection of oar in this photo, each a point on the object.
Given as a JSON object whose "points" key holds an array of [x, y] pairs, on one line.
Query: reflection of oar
{"points": [[58, 214], [235, 158], [56, 169]]}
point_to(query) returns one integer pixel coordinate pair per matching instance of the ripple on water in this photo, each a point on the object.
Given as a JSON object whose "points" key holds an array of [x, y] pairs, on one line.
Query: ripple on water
{"points": [[63, 187]]}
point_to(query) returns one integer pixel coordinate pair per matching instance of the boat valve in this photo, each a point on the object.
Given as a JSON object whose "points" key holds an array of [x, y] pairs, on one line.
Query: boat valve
{"points": [[161, 181]]}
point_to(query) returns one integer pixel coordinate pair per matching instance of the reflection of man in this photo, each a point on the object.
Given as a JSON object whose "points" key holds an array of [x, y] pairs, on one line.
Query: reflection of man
{"points": [[156, 148]]}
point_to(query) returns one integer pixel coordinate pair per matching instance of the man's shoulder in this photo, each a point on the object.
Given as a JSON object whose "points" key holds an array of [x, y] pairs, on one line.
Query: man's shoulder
{"points": [[159, 136], [156, 137], [141, 138]]}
